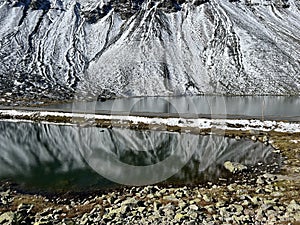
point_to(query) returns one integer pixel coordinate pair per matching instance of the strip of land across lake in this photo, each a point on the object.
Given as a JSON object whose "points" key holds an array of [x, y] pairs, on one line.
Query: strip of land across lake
{"points": [[144, 120]]}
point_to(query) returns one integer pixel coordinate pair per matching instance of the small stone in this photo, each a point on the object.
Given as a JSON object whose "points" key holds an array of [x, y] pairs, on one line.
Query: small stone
{"points": [[259, 180], [234, 167], [254, 200], [124, 209], [237, 218], [293, 206], [7, 218], [171, 198], [193, 207], [268, 190], [245, 203], [58, 211], [181, 204], [46, 211], [141, 209], [230, 187], [5, 193], [193, 215], [223, 212], [163, 191], [253, 138], [150, 196], [209, 209], [265, 138], [129, 201], [106, 217], [220, 204], [178, 216], [297, 216], [238, 208], [26, 208], [196, 200], [206, 198], [259, 191], [66, 221], [178, 194]]}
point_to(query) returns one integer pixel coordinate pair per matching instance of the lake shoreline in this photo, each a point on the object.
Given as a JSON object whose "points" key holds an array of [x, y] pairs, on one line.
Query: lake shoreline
{"points": [[191, 124], [271, 198]]}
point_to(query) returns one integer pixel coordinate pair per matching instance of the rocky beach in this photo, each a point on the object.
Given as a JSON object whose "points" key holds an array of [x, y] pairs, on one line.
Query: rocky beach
{"points": [[247, 198]]}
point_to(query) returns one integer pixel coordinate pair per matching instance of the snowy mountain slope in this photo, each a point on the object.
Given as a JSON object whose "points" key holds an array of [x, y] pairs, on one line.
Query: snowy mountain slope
{"points": [[49, 49]]}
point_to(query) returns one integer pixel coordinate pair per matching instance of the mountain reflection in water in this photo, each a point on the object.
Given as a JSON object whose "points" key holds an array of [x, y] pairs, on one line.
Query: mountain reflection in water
{"points": [[52, 156]]}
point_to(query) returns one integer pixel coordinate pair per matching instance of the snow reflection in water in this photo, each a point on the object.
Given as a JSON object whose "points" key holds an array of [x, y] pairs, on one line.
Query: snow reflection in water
{"points": [[51, 156]]}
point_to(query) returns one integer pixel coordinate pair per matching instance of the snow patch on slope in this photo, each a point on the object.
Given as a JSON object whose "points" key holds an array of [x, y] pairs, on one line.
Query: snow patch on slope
{"points": [[109, 48]]}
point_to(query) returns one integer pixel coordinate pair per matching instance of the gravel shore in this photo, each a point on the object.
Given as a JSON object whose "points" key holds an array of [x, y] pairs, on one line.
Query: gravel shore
{"points": [[268, 199]]}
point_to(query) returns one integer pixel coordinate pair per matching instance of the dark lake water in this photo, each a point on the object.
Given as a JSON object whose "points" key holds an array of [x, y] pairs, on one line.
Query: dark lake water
{"points": [[52, 157], [261, 107]]}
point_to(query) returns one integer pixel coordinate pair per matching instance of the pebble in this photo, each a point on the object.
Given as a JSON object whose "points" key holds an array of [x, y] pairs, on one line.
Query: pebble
{"points": [[253, 138], [7, 218], [206, 198], [179, 216], [193, 207], [237, 204], [234, 167]]}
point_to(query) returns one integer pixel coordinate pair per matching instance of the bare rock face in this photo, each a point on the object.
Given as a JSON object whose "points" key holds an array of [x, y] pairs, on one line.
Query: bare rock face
{"points": [[53, 48]]}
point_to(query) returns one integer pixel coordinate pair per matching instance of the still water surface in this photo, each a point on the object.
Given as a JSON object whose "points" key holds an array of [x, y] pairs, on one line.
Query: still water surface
{"points": [[261, 107], [55, 157]]}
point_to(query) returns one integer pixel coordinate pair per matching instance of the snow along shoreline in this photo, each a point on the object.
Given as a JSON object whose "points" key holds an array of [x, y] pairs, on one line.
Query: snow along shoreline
{"points": [[81, 119]]}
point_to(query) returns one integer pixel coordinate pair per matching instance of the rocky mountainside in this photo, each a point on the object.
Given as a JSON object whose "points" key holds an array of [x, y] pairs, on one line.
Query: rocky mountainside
{"points": [[54, 48]]}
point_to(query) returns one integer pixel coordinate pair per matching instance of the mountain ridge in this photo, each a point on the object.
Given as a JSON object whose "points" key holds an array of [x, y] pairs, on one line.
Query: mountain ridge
{"points": [[58, 49]]}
